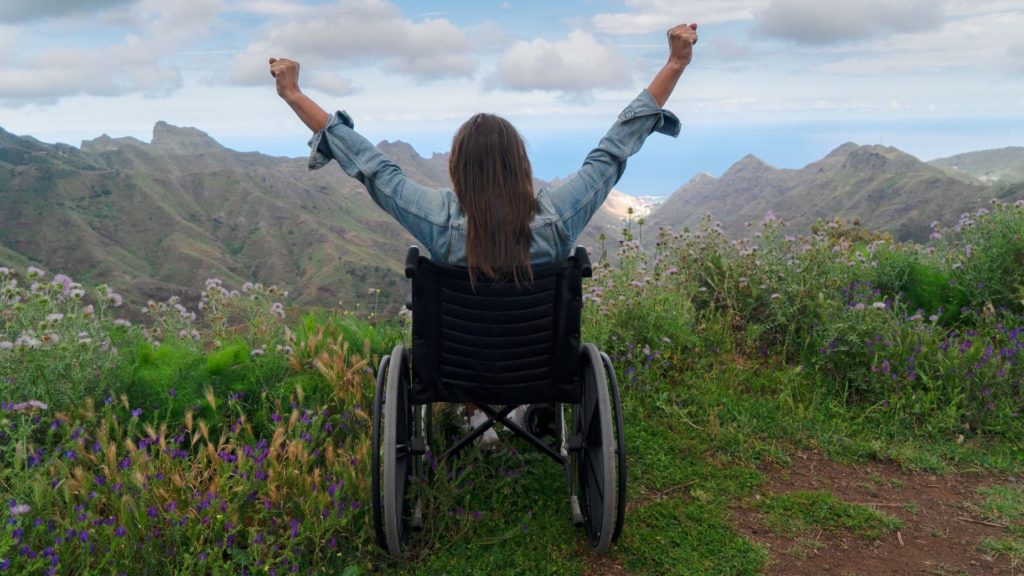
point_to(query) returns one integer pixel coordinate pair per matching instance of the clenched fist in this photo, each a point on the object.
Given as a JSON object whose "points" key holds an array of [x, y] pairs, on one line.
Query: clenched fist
{"points": [[680, 44], [286, 73]]}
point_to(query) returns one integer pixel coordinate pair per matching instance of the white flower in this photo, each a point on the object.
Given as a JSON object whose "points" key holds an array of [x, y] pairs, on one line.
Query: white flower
{"points": [[88, 311], [5, 271], [34, 272], [77, 293], [23, 406], [775, 295], [122, 323], [247, 286], [259, 351], [879, 305], [27, 340], [5, 345], [19, 509], [859, 306], [55, 317]]}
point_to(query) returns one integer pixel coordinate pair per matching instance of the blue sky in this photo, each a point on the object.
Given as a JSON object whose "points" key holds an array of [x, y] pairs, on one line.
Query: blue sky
{"points": [[787, 80]]}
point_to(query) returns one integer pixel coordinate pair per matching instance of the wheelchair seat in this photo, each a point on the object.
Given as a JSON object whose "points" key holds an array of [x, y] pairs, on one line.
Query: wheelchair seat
{"points": [[497, 346]]}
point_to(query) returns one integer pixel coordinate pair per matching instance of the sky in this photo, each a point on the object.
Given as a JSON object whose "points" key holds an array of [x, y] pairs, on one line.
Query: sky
{"points": [[786, 80]]}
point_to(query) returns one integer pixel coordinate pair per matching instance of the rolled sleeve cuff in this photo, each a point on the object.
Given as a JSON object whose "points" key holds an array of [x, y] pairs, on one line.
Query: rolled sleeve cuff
{"points": [[319, 152], [645, 105]]}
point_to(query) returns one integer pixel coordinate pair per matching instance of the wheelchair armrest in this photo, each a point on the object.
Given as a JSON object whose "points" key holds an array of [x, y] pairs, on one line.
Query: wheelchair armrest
{"points": [[412, 257], [583, 262]]}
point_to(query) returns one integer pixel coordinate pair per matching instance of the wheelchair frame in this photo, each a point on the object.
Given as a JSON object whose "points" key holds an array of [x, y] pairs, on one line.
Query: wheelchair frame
{"points": [[498, 347]]}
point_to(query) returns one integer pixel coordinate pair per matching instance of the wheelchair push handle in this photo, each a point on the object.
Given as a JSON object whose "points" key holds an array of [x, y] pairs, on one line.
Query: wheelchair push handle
{"points": [[412, 257], [583, 262]]}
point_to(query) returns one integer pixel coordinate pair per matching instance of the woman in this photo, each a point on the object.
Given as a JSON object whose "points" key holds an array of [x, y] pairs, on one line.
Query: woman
{"points": [[492, 221]]}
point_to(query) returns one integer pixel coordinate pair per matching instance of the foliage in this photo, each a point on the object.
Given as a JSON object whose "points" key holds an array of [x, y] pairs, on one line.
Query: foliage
{"points": [[226, 440]]}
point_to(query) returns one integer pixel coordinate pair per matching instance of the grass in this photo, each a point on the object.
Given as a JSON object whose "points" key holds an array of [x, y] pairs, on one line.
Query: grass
{"points": [[233, 440], [1004, 505], [796, 512]]}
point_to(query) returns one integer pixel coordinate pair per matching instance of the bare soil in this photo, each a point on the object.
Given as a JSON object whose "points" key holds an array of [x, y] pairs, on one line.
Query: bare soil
{"points": [[941, 532]]}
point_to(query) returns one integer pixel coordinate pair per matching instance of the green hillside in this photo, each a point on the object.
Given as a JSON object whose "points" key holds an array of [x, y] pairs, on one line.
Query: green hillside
{"points": [[881, 187], [1005, 165], [158, 219]]}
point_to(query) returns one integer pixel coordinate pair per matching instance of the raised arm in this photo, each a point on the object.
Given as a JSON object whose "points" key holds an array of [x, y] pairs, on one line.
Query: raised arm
{"points": [[286, 73], [680, 43], [577, 199]]}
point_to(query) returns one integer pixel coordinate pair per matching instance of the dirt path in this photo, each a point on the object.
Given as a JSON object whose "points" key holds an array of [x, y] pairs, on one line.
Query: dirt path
{"points": [[941, 530]]}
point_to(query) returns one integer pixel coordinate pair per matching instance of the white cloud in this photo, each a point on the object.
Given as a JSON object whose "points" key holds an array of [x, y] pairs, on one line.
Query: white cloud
{"points": [[817, 22], [971, 45], [354, 33], [330, 83], [28, 10], [645, 16], [133, 65], [577, 64]]}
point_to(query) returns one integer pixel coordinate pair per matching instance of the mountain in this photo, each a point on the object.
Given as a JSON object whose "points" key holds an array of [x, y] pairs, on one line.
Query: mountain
{"points": [[1004, 165], [159, 218], [882, 187]]}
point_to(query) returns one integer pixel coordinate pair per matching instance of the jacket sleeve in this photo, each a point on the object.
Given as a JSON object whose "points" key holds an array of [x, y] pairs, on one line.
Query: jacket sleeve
{"points": [[423, 211], [576, 200]]}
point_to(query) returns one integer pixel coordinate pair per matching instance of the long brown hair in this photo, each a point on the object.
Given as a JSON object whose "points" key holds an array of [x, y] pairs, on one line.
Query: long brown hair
{"points": [[493, 180]]}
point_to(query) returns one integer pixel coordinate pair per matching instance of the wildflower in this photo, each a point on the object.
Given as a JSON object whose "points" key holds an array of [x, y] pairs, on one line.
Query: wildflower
{"points": [[83, 338], [136, 412], [879, 305], [277, 309], [23, 406], [64, 282], [258, 351], [34, 272], [88, 311], [54, 318], [77, 293], [122, 323], [113, 298], [5, 345], [19, 509]]}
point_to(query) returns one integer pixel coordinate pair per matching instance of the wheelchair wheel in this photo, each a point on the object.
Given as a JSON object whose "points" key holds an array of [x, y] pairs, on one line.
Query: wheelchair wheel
{"points": [[620, 445], [398, 466], [377, 503], [593, 462]]}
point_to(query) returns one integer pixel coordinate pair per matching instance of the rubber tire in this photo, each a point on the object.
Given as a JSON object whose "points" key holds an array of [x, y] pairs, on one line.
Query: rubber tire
{"points": [[620, 446], [593, 466], [397, 425], [377, 503]]}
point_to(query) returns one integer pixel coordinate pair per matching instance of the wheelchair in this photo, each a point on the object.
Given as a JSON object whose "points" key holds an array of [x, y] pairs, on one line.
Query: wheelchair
{"points": [[498, 346]]}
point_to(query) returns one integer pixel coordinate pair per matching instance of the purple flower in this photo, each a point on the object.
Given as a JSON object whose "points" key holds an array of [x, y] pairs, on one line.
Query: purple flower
{"points": [[137, 412], [294, 527]]}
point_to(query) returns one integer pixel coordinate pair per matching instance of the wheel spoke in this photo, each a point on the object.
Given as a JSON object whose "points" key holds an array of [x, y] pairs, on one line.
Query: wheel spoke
{"points": [[595, 475]]}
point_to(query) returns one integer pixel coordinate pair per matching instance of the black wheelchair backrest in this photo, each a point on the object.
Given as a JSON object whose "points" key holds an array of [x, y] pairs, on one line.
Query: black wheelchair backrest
{"points": [[490, 343]]}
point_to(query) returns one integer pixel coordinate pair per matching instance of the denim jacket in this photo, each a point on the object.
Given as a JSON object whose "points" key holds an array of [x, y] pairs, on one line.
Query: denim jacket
{"points": [[435, 218]]}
